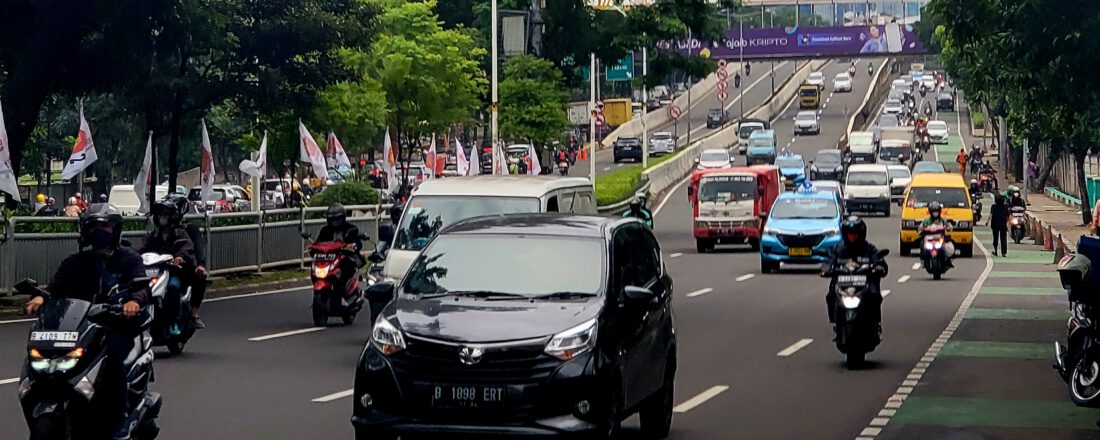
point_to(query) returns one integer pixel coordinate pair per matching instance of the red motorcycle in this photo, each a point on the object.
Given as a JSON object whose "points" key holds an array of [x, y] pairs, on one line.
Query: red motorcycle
{"points": [[987, 181], [334, 292]]}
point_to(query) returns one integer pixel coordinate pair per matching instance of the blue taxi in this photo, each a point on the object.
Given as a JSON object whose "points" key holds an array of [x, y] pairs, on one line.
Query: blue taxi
{"points": [[802, 227], [792, 167]]}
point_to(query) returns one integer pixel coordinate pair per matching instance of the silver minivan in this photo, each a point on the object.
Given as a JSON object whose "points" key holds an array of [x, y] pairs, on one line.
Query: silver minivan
{"points": [[437, 203]]}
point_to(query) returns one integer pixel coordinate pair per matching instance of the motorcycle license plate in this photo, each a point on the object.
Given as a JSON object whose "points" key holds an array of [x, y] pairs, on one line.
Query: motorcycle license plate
{"points": [[468, 396], [800, 252], [152, 272], [54, 336], [852, 280]]}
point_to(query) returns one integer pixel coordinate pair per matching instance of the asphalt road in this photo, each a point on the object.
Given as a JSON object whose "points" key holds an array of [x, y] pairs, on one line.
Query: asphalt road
{"points": [[756, 357], [693, 125]]}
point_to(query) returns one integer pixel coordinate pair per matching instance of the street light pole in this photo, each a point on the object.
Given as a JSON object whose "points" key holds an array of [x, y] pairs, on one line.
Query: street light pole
{"points": [[645, 109], [741, 63], [494, 135], [592, 120]]}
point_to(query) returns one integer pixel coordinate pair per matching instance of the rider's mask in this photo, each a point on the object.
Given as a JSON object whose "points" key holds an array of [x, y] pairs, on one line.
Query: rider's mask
{"points": [[100, 237], [162, 220]]}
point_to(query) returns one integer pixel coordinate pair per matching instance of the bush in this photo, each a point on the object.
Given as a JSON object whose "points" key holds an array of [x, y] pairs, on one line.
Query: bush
{"points": [[978, 119], [621, 184], [350, 193]]}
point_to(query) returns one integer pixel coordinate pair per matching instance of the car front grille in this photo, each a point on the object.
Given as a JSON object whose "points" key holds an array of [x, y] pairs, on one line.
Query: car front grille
{"points": [[725, 224], [807, 240], [428, 360]]}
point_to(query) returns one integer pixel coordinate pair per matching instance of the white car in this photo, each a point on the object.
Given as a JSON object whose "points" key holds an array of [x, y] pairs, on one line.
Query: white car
{"points": [[900, 83], [928, 81], [900, 178], [714, 158], [867, 189], [816, 79], [938, 131], [662, 142], [842, 83], [892, 106], [806, 122]]}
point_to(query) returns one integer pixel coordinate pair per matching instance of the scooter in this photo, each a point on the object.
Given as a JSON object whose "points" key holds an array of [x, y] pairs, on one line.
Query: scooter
{"points": [[1018, 221], [1078, 362], [977, 207], [932, 255], [986, 181], [856, 333], [334, 292], [159, 267], [67, 348]]}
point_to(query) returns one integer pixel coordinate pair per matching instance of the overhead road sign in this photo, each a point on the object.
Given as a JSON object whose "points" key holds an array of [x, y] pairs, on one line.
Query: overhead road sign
{"points": [[810, 42]]}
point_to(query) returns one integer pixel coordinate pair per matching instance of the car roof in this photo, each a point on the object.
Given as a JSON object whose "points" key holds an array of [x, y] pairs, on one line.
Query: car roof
{"points": [[826, 184], [898, 167], [824, 195], [720, 150], [663, 133], [807, 112], [503, 186], [937, 121], [867, 167], [817, 73], [545, 224], [791, 156], [929, 163], [830, 151], [950, 180]]}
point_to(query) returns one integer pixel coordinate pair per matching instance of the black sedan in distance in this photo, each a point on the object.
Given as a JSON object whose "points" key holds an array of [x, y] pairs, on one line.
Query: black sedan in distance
{"points": [[485, 336]]}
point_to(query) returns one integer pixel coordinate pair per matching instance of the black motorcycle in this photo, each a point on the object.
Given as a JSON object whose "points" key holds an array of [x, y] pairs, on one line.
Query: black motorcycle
{"points": [[66, 350], [1078, 362], [856, 333], [933, 255], [1018, 222], [977, 208]]}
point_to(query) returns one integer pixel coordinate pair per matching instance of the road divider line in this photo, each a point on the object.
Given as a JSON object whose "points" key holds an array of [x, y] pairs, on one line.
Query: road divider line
{"points": [[16, 321], [903, 279], [700, 399], [670, 193], [700, 292], [744, 277], [9, 381], [607, 168], [334, 396], [916, 266], [676, 255], [886, 292], [795, 347], [285, 334], [269, 292], [619, 166]]}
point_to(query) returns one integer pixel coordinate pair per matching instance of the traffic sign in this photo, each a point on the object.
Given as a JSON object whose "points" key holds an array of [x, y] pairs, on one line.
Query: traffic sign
{"points": [[722, 96], [675, 112], [723, 75], [722, 64], [722, 86]]}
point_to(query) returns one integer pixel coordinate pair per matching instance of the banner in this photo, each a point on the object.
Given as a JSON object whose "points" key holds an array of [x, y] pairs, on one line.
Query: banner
{"points": [[83, 150], [429, 158], [336, 152], [144, 181], [475, 161], [533, 166], [820, 42], [389, 166], [206, 166], [8, 182]]}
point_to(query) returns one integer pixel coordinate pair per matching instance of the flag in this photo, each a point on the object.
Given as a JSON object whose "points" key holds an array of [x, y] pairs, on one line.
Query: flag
{"points": [[475, 161], [83, 150], [206, 167], [8, 182], [145, 178], [393, 180], [461, 164], [533, 166], [256, 168], [502, 161], [429, 158], [310, 153], [336, 151]]}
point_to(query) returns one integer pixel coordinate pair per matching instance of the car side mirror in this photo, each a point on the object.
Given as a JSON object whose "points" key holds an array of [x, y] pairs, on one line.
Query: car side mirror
{"points": [[638, 296]]}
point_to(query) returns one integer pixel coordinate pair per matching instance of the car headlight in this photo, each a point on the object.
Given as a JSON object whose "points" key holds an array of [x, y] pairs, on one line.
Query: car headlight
{"points": [[831, 232], [386, 337], [573, 342], [770, 231]]}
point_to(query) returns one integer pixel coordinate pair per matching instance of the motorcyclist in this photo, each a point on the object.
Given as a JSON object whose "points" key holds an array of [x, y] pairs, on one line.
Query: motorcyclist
{"points": [[337, 228], [103, 265], [167, 216], [975, 189], [987, 168], [39, 202], [638, 210], [72, 208], [83, 204], [47, 210], [854, 247], [101, 199], [1015, 198], [935, 218]]}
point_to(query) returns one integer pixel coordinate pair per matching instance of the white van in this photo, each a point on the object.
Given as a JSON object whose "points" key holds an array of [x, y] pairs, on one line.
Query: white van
{"points": [[439, 203], [867, 189], [124, 199]]}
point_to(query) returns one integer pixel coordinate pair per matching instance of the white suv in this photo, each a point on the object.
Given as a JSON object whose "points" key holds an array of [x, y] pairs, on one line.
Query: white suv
{"points": [[867, 189]]}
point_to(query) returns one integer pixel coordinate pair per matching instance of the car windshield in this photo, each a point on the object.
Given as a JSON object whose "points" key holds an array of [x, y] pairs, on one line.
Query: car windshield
{"points": [[715, 156], [861, 139], [899, 173], [842, 77], [625, 141], [893, 103], [800, 208], [790, 162], [726, 188], [896, 94], [829, 159], [714, 113], [528, 265], [948, 197], [427, 215], [929, 167], [662, 136], [894, 150], [888, 121], [746, 130], [808, 92], [817, 76], [195, 193], [867, 178], [762, 141]]}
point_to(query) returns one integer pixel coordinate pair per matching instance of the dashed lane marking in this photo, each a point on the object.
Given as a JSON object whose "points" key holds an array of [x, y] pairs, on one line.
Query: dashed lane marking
{"points": [[916, 266], [334, 396], [700, 292], [676, 255], [607, 168], [700, 399], [8, 381], [903, 279], [795, 347], [744, 277], [285, 334], [886, 292]]}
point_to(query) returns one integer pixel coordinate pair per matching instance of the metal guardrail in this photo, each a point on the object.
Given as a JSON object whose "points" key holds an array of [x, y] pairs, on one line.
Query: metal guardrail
{"points": [[256, 241]]}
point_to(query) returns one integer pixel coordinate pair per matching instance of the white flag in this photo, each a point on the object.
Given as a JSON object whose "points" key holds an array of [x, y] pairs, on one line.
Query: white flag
{"points": [[429, 158], [502, 161], [256, 168], [144, 179], [336, 151], [475, 161], [206, 166], [83, 150], [389, 166], [533, 166], [461, 164], [310, 153], [8, 182]]}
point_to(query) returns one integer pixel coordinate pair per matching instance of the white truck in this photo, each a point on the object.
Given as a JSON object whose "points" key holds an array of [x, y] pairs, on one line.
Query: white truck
{"points": [[579, 114], [861, 147]]}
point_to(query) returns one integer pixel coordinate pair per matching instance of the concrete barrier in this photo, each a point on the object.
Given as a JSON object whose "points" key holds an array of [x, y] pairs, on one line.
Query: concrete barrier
{"points": [[880, 88]]}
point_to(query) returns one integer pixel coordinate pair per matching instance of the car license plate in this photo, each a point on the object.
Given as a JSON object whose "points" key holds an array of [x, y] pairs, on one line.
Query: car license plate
{"points": [[799, 252], [628, 148], [789, 182], [852, 280], [54, 336], [469, 396]]}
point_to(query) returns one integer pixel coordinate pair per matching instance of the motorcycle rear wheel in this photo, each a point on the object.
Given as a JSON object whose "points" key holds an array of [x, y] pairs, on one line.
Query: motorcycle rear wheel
{"points": [[855, 360], [1084, 383]]}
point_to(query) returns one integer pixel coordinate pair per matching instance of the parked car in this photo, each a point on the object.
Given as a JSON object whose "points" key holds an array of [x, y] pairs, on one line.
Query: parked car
{"points": [[224, 198], [807, 122], [842, 82], [717, 117], [627, 147], [662, 142]]}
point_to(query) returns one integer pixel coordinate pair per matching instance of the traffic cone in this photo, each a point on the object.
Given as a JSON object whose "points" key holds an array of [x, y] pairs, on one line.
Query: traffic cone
{"points": [[584, 153], [1059, 250], [1036, 232], [1048, 239]]}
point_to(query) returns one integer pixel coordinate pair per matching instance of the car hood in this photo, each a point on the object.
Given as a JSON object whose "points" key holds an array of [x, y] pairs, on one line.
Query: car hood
{"points": [[805, 123], [478, 320], [716, 164], [805, 226], [762, 150], [792, 171]]}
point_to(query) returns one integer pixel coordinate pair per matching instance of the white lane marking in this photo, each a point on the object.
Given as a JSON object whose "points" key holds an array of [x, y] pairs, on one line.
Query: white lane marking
{"points": [[795, 347], [744, 277], [700, 399], [7, 381], [270, 292], [334, 396], [916, 266], [285, 334], [15, 321], [700, 292], [676, 255], [607, 168], [903, 279], [670, 193], [895, 401], [886, 292], [619, 166]]}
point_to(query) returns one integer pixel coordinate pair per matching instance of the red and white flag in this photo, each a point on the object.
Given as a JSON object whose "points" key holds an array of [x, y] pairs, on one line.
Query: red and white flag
{"points": [[336, 152], [8, 182], [501, 167], [462, 165], [144, 181], [475, 161], [533, 166], [206, 166], [393, 180], [310, 153], [429, 158], [83, 150]]}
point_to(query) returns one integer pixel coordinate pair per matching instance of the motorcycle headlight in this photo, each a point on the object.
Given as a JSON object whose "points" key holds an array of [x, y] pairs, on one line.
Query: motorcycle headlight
{"points": [[573, 342], [849, 297], [386, 337], [70, 360], [38, 362], [321, 271]]}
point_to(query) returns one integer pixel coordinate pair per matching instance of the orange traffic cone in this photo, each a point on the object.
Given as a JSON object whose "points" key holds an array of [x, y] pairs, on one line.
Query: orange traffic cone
{"points": [[584, 153]]}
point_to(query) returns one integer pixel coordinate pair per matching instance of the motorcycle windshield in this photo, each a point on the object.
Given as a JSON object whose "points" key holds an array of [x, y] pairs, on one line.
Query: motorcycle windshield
{"points": [[62, 314]]}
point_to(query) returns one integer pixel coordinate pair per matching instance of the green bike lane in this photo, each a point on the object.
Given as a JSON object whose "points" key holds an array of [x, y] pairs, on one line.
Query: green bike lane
{"points": [[989, 374]]}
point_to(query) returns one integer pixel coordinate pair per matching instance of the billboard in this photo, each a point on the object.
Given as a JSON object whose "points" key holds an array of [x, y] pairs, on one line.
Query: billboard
{"points": [[808, 42]]}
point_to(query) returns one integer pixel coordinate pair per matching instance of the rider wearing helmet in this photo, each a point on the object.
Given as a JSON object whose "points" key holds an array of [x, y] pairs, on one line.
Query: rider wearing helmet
{"points": [[935, 218], [337, 228], [72, 208], [854, 247], [1015, 198], [47, 209], [168, 237], [100, 264], [975, 189], [638, 210]]}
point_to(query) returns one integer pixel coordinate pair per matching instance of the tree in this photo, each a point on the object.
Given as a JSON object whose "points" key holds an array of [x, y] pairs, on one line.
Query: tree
{"points": [[533, 100]]}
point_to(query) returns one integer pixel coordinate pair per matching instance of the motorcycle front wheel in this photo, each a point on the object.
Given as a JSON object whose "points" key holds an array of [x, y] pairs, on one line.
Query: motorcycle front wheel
{"points": [[320, 311], [1084, 384]]}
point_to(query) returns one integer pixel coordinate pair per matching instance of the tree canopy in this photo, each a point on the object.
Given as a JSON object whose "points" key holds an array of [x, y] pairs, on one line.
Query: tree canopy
{"points": [[533, 100]]}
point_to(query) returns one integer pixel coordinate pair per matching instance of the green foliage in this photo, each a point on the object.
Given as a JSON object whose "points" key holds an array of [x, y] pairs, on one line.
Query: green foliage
{"points": [[977, 118], [347, 194], [622, 183], [533, 100]]}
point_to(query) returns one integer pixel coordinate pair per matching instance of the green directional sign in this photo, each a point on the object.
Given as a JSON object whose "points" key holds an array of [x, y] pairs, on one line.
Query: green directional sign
{"points": [[621, 71]]}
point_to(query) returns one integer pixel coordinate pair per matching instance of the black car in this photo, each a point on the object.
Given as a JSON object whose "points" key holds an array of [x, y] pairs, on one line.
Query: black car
{"points": [[945, 102], [505, 344], [628, 147], [716, 117], [827, 165]]}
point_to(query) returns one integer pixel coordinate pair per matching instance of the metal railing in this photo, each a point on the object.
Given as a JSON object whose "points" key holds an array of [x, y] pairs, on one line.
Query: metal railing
{"points": [[234, 242]]}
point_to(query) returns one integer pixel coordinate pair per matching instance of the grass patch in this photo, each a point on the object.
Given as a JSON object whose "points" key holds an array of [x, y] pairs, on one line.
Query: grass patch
{"points": [[977, 118], [622, 183]]}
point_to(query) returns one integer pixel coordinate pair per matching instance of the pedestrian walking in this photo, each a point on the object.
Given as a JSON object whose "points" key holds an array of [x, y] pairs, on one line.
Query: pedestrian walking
{"points": [[1032, 174], [998, 223], [961, 160]]}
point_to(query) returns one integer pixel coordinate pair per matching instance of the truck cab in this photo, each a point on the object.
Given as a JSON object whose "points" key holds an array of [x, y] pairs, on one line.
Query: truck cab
{"points": [[730, 205]]}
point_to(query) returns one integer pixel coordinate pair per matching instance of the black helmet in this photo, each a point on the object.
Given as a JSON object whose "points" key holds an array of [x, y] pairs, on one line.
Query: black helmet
{"points": [[174, 206], [96, 215], [853, 230], [935, 209], [335, 215], [395, 212]]}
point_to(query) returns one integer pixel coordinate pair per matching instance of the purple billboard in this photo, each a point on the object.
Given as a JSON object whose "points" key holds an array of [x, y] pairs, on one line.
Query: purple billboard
{"points": [[836, 41]]}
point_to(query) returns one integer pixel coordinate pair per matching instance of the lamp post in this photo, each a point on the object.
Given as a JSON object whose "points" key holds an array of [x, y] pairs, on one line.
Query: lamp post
{"points": [[493, 115]]}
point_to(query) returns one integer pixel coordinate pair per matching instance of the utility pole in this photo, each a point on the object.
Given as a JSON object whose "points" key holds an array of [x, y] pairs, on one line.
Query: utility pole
{"points": [[645, 108], [592, 120], [494, 136]]}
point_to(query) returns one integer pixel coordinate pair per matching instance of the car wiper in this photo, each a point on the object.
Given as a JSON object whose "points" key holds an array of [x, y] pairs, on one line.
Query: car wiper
{"points": [[475, 294], [564, 295]]}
